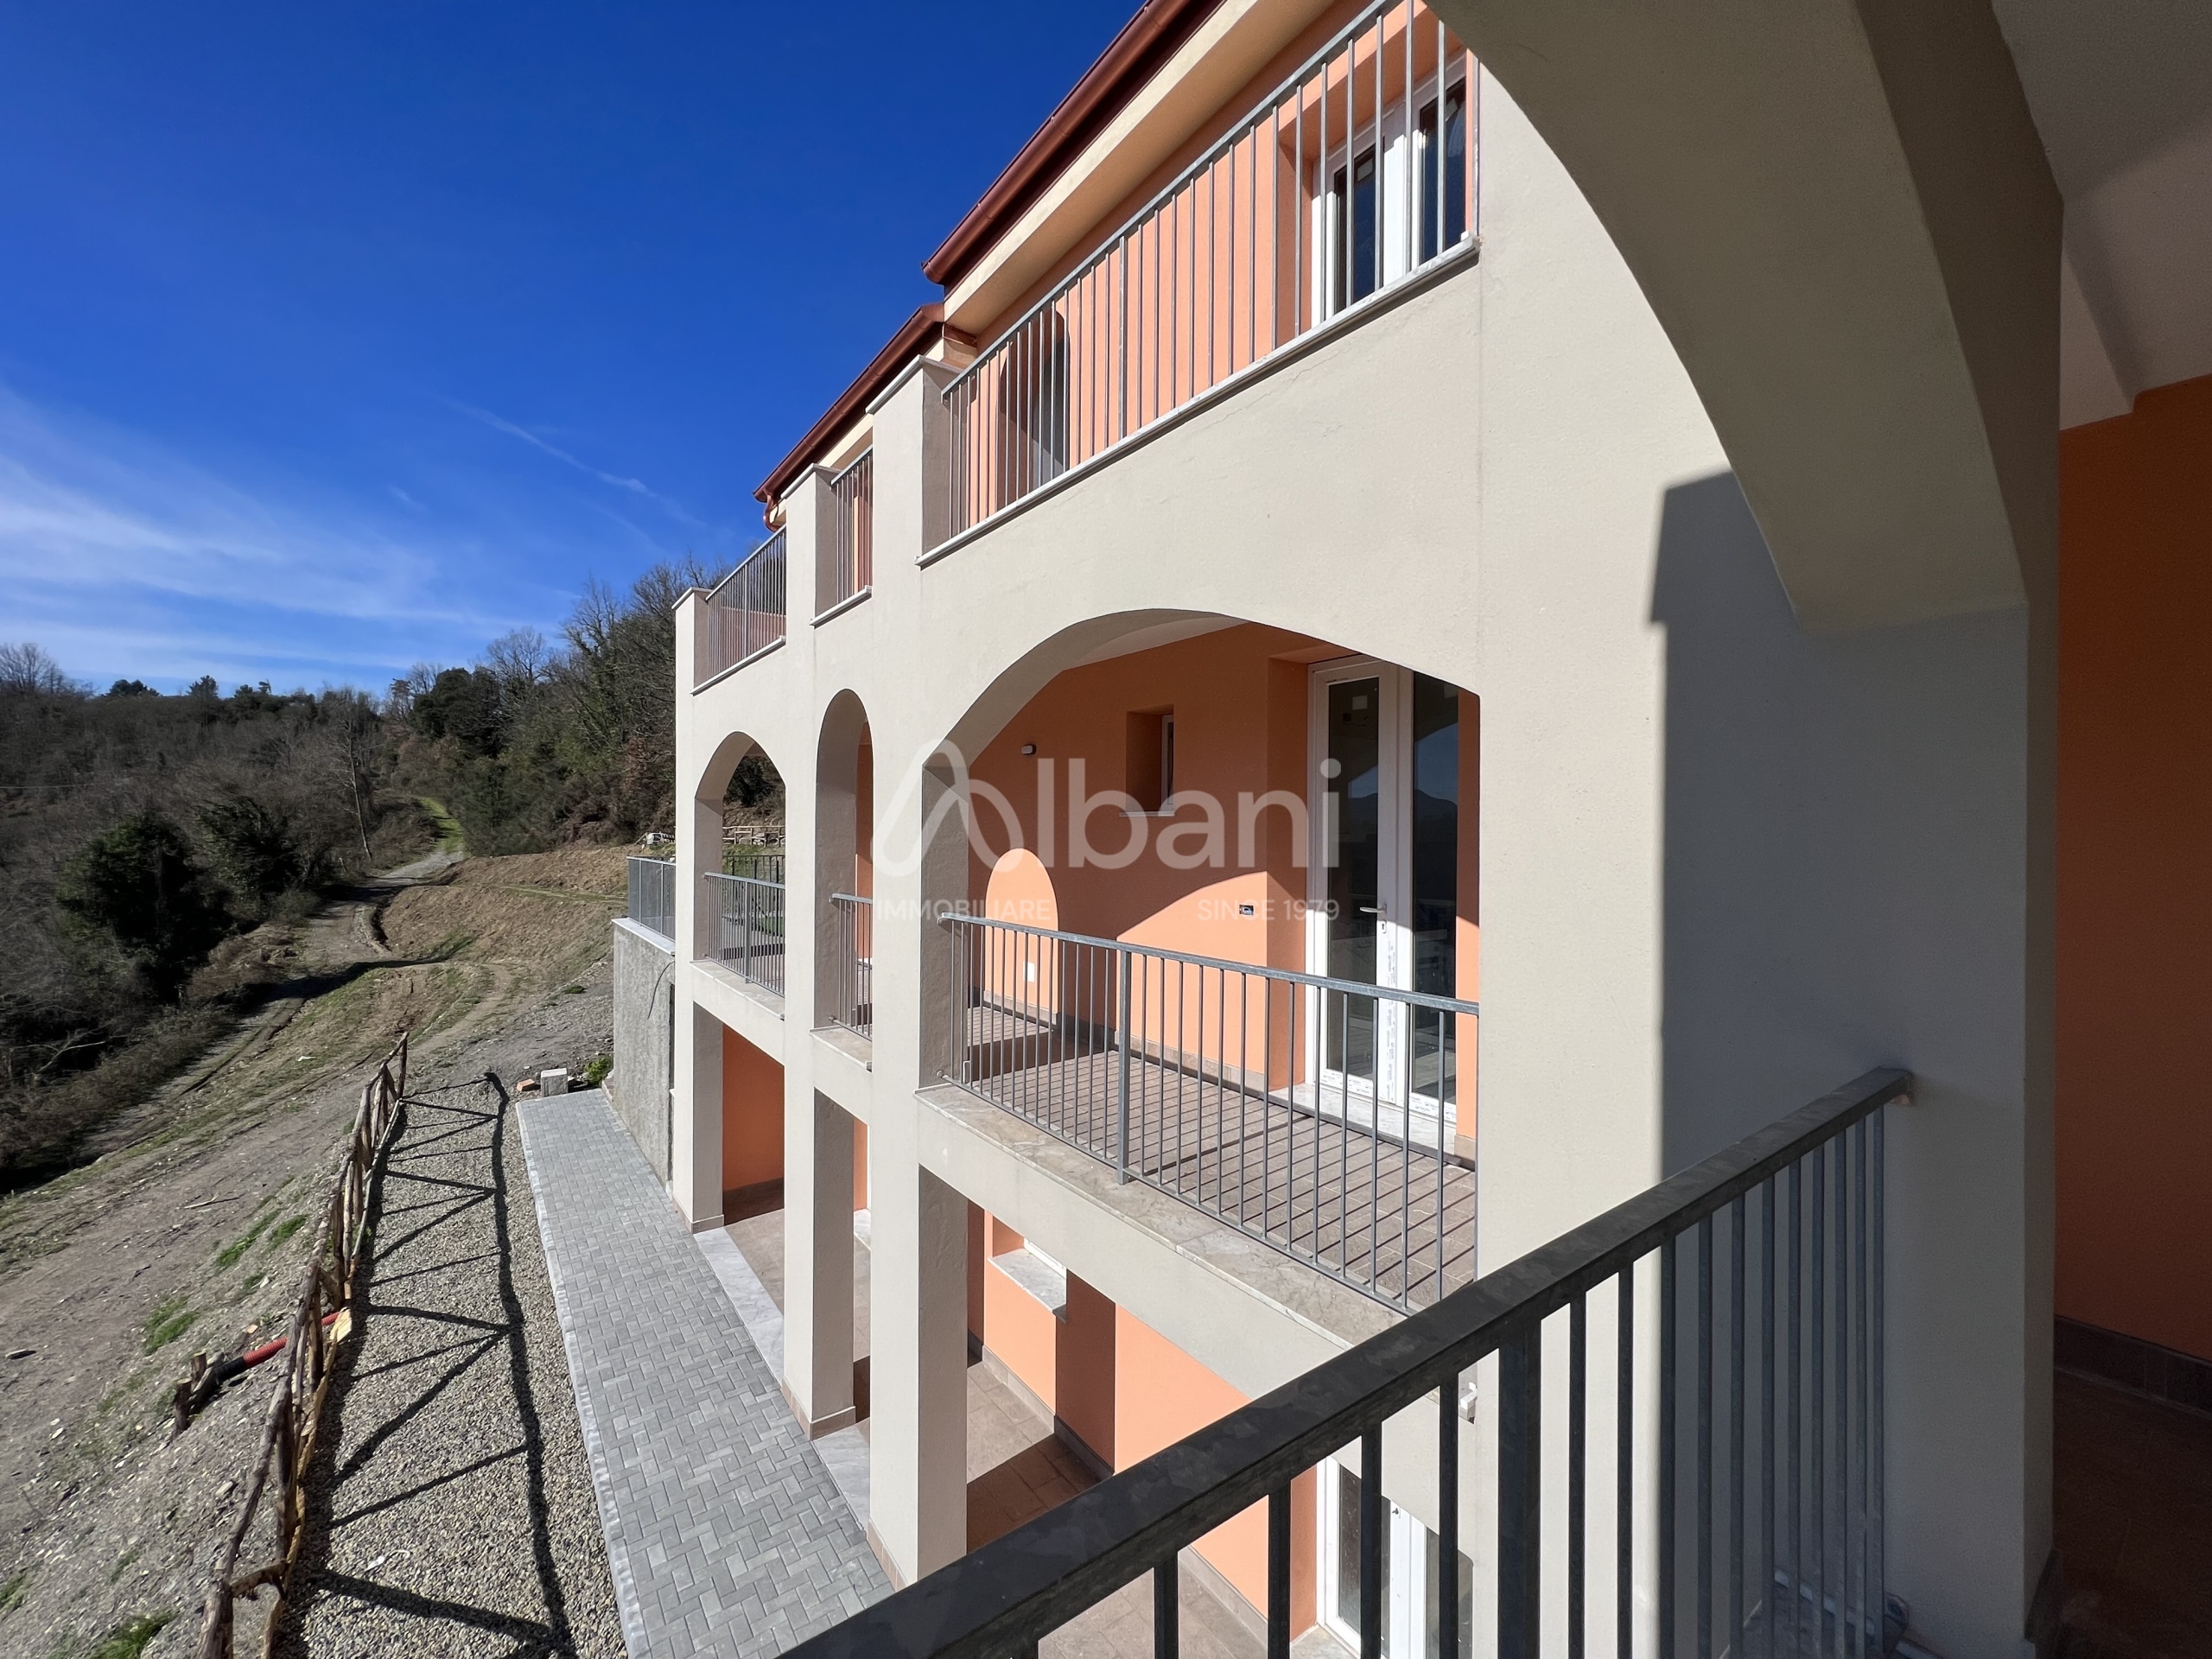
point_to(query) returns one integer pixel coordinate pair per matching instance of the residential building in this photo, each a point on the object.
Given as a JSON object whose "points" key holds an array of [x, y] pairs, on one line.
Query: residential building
{"points": [[1460, 607]]}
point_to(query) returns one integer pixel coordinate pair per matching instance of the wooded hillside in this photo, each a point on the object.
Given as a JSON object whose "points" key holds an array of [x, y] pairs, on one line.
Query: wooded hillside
{"points": [[146, 840]]}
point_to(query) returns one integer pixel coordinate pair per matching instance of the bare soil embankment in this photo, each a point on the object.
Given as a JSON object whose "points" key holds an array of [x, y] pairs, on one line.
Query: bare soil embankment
{"points": [[190, 1232]]}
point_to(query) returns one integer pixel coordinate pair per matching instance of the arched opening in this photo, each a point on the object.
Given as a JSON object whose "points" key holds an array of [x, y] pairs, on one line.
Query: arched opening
{"points": [[1212, 795], [739, 818], [844, 853]]}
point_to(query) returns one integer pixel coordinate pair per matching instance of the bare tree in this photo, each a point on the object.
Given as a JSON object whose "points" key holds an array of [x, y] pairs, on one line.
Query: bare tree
{"points": [[29, 668], [521, 659]]}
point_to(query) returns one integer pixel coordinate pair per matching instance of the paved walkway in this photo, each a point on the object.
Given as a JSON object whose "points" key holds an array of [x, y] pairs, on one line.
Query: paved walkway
{"points": [[725, 1531]]}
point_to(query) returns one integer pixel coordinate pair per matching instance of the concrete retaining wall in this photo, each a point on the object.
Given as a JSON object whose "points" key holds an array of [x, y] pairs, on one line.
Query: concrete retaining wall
{"points": [[639, 1084]]}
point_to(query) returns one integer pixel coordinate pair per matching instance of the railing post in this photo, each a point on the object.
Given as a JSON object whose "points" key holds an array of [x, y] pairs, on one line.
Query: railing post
{"points": [[1122, 1023], [1520, 1430]]}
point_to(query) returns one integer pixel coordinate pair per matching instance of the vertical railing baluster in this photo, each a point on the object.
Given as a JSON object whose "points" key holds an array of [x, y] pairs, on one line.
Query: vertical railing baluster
{"points": [[1769, 1475], [1840, 1270], [1625, 1464], [1736, 1427], [1669, 1517], [1446, 1588], [1817, 1307], [1796, 1314], [1705, 1438], [1122, 1074], [1279, 1575], [1877, 1470], [1577, 1423], [1372, 1542], [1167, 1609], [1520, 1495]]}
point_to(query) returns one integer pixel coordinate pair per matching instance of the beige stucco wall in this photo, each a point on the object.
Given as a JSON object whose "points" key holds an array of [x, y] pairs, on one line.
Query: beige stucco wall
{"points": [[1726, 866]]}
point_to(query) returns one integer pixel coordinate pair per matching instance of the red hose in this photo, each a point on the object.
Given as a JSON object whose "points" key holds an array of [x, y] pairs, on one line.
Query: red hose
{"points": [[253, 1356]]}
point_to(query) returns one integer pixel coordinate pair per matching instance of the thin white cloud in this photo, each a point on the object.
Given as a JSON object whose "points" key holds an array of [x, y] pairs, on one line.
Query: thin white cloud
{"points": [[635, 487], [125, 559]]}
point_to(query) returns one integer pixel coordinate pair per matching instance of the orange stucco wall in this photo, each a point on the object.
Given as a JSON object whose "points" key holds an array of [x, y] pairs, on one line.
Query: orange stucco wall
{"points": [[753, 1115], [1086, 1369], [2135, 871], [1232, 109], [1126, 1392], [1019, 1329], [859, 1165], [864, 817], [1240, 726], [1240, 698], [1161, 1393]]}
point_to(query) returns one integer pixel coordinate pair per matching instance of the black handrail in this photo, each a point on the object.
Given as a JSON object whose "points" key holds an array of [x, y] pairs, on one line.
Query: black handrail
{"points": [[1002, 1598]]}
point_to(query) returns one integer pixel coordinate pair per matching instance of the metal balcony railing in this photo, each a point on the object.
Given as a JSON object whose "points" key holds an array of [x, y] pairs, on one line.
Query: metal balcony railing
{"points": [[1317, 1114], [1357, 172], [745, 612], [1722, 1334], [748, 935], [762, 863], [652, 895], [848, 568], [852, 963]]}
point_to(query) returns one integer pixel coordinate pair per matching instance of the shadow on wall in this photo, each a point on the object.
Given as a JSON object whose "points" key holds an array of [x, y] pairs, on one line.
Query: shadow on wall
{"points": [[1845, 827]]}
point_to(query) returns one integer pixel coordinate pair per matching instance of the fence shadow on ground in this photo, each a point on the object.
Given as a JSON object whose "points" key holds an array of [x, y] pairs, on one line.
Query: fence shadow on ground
{"points": [[427, 1522]]}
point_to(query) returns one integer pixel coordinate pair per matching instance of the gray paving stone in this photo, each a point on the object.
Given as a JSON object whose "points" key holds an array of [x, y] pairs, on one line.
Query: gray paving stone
{"points": [[726, 1534]]}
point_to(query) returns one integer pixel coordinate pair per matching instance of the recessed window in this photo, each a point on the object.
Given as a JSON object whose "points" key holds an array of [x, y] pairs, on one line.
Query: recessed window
{"points": [[1150, 772]]}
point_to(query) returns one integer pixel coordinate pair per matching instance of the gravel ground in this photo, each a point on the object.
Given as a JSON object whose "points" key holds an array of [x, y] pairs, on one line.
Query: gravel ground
{"points": [[450, 1507]]}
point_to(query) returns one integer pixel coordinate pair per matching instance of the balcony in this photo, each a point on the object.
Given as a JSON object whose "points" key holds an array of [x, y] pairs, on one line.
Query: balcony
{"points": [[743, 614], [851, 996], [1719, 1486], [847, 571], [1357, 174], [652, 895], [747, 934], [1315, 1115]]}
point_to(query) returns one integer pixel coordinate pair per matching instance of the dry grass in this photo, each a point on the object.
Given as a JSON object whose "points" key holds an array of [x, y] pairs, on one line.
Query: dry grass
{"points": [[544, 911]]}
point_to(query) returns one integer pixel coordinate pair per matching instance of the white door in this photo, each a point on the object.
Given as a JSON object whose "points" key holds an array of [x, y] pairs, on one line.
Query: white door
{"points": [[1383, 894], [1355, 927], [1411, 1567]]}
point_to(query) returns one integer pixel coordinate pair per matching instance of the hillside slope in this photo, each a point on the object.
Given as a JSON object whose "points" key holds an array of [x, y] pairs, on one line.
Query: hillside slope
{"points": [[189, 1232]]}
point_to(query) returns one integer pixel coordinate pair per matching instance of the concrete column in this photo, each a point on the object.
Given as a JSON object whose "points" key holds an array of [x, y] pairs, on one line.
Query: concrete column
{"points": [[918, 1369], [695, 1131], [913, 882], [817, 1260]]}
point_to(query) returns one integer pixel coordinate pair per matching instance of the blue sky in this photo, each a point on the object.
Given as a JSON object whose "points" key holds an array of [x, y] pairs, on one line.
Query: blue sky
{"points": [[342, 336]]}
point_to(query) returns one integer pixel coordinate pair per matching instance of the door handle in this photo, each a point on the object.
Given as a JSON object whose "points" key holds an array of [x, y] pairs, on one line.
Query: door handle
{"points": [[1370, 910]]}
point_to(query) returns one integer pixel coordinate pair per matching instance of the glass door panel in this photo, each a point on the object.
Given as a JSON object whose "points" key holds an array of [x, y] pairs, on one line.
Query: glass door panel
{"points": [[1433, 865], [1353, 799], [1410, 1566]]}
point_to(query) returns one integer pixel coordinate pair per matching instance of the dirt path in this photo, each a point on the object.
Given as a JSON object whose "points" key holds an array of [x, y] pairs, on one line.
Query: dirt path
{"points": [[189, 1232]]}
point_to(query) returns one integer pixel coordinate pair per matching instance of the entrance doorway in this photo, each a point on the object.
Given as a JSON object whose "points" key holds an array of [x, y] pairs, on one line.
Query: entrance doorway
{"points": [[1384, 893], [1411, 1565]]}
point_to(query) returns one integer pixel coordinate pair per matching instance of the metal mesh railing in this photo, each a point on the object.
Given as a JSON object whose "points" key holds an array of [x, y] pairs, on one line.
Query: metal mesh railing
{"points": [[652, 895], [745, 613], [1357, 172]]}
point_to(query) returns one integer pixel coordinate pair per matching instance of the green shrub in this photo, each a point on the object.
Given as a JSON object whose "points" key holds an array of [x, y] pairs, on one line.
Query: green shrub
{"points": [[169, 1321], [128, 1639], [137, 885]]}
